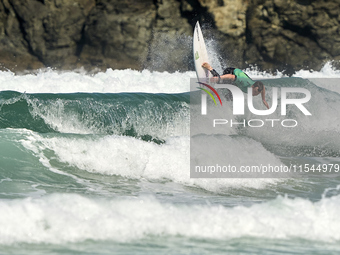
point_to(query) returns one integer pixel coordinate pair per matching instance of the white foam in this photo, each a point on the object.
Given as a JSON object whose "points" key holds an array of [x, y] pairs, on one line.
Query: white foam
{"points": [[327, 77], [115, 81], [64, 218], [327, 71], [134, 158], [111, 81]]}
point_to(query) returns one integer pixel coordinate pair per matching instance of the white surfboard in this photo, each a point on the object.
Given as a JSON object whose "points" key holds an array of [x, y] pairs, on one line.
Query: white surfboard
{"points": [[200, 54]]}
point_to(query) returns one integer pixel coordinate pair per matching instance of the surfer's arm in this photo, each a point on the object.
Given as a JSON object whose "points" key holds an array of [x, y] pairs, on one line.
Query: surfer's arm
{"points": [[263, 95], [229, 76], [216, 76], [214, 73]]}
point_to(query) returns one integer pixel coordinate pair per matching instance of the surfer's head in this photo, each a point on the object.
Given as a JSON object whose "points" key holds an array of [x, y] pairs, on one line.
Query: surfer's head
{"points": [[257, 88]]}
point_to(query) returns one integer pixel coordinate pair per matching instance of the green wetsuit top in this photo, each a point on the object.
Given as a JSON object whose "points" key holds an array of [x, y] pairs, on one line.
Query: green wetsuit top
{"points": [[242, 80]]}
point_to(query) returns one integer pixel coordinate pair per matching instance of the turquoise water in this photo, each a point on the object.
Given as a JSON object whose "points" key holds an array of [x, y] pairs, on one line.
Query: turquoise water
{"points": [[108, 173]]}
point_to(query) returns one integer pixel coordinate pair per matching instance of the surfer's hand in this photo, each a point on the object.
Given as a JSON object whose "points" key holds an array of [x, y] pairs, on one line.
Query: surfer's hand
{"points": [[207, 66]]}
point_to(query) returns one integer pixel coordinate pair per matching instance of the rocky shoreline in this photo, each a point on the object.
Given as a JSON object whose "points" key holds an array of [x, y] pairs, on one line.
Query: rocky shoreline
{"points": [[157, 34]]}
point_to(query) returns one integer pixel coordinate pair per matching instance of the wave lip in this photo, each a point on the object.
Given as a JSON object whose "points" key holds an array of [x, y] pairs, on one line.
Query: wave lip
{"points": [[150, 116]]}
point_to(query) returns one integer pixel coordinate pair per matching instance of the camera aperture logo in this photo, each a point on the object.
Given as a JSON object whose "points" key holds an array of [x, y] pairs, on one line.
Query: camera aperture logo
{"points": [[239, 105], [213, 90]]}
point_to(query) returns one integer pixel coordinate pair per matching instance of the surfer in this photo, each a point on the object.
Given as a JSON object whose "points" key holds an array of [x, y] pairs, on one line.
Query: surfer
{"points": [[240, 79]]}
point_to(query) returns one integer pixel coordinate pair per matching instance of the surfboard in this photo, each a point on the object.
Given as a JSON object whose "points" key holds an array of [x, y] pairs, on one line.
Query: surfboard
{"points": [[200, 54]]}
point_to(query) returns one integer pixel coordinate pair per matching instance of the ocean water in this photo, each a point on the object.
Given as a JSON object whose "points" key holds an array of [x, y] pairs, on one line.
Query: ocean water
{"points": [[99, 164]]}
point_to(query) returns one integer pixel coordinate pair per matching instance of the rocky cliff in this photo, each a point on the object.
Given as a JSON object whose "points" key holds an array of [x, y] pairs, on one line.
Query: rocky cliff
{"points": [[156, 34]]}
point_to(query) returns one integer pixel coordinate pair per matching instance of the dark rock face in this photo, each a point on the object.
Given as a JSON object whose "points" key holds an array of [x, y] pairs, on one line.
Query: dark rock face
{"points": [[117, 33], [42, 33], [301, 33], [157, 34]]}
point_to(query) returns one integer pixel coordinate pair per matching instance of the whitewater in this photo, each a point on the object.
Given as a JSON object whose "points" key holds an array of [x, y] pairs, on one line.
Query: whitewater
{"points": [[99, 163]]}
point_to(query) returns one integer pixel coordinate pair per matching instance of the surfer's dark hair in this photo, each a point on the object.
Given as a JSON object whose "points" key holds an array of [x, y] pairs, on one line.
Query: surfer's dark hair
{"points": [[259, 85], [229, 70]]}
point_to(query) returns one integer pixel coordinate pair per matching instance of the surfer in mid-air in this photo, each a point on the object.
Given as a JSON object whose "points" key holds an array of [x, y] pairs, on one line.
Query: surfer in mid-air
{"points": [[240, 79]]}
